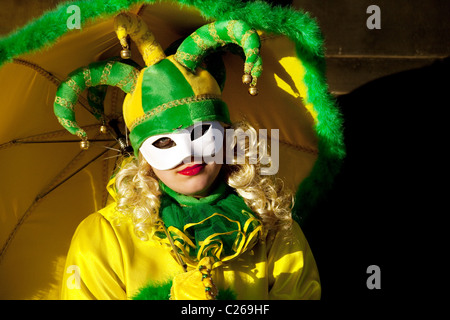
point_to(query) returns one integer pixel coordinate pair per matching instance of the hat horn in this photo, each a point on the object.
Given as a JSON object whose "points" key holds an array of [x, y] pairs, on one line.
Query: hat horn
{"points": [[220, 33], [112, 73], [126, 23]]}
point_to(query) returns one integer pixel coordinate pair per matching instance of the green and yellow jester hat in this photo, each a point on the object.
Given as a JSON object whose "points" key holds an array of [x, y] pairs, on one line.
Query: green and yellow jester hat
{"points": [[170, 93]]}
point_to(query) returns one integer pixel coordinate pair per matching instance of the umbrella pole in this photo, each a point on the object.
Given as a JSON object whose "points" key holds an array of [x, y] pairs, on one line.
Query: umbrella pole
{"points": [[177, 256]]}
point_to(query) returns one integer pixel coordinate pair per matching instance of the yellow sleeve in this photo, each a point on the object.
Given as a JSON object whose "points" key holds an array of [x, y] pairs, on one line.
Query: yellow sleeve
{"points": [[293, 273], [94, 268]]}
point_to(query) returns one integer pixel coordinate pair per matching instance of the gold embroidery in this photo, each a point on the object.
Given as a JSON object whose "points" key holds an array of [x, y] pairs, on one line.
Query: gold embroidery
{"points": [[138, 28], [257, 69], [74, 86], [147, 36], [94, 98], [230, 32], [181, 56], [132, 76], [87, 77], [67, 123], [248, 66], [71, 124], [251, 52], [246, 36], [81, 133], [105, 73], [64, 103], [199, 41], [170, 105], [213, 33], [151, 49]]}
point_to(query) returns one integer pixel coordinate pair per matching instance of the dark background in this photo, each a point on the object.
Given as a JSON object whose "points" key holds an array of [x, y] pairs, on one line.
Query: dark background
{"points": [[388, 204]]}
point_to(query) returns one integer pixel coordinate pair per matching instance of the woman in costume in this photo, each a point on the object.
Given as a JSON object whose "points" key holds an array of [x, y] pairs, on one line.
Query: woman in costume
{"points": [[184, 224]]}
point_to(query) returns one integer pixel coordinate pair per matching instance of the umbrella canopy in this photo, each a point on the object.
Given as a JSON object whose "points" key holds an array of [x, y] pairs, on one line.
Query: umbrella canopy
{"points": [[50, 184]]}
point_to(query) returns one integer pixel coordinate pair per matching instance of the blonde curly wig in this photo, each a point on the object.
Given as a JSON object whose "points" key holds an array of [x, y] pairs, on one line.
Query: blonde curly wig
{"points": [[138, 193]]}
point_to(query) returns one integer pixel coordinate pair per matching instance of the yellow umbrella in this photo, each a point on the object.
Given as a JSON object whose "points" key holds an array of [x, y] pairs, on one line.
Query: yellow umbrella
{"points": [[49, 184]]}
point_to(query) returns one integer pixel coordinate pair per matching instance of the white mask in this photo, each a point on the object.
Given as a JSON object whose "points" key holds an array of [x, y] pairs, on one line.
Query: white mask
{"points": [[201, 141]]}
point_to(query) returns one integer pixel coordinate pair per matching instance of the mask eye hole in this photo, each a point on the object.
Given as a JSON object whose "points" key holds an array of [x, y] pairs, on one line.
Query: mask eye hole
{"points": [[197, 133], [164, 143]]}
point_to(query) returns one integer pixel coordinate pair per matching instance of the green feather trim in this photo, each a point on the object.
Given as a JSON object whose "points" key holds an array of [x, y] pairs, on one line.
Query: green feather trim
{"points": [[295, 24], [226, 294], [154, 291], [161, 291]]}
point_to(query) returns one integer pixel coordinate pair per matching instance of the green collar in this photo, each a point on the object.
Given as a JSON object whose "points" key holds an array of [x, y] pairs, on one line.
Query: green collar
{"points": [[219, 191], [220, 225]]}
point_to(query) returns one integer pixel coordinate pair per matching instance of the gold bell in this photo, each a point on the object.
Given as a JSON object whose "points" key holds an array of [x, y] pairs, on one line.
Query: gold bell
{"points": [[103, 129], [246, 78], [125, 53], [84, 144], [253, 91]]}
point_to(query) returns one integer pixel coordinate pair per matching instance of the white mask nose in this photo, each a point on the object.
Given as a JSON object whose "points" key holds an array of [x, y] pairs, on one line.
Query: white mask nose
{"points": [[200, 142]]}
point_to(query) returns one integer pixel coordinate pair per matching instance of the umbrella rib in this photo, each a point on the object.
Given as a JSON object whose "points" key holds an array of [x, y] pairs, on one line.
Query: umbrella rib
{"points": [[48, 75], [53, 134], [45, 193], [114, 149], [40, 197], [52, 78], [59, 141], [298, 147]]}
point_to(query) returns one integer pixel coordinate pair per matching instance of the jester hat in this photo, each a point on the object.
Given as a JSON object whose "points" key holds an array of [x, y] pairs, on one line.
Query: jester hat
{"points": [[171, 92]]}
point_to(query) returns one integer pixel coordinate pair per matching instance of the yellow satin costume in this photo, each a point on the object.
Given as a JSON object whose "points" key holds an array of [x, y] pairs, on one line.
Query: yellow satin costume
{"points": [[108, 261]]}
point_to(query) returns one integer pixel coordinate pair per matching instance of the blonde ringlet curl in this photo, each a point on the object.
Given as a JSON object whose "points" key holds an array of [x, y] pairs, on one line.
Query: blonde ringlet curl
{"points": [[138, 196], [266, 195], [138, 192]]}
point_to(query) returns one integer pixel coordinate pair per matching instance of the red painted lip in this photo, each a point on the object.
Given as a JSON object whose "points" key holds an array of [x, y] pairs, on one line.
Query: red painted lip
{"points": [[192, 170]]}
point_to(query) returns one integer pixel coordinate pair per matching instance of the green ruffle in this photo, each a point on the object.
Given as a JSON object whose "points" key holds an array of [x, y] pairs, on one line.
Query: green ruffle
{"points": [[220, 225], [161, 291]]}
